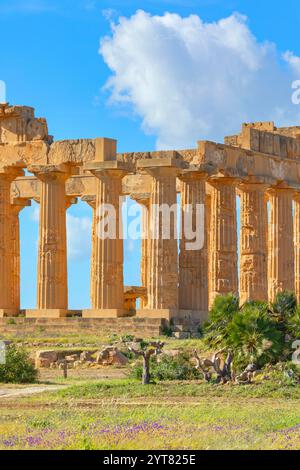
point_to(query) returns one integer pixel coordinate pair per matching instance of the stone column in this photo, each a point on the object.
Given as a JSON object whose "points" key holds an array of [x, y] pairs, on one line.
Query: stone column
{"points": [[16, 207], [144, 201], [297, 243], [223, 238], [193, 285], [281, 274], [7, 245], [107, 285], [91, 201], [52, 289], [163, 247], [207, 242], [253, 242]]}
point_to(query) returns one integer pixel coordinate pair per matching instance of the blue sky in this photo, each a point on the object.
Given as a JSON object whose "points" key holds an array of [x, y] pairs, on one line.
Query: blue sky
{"points": [[50, 60]]}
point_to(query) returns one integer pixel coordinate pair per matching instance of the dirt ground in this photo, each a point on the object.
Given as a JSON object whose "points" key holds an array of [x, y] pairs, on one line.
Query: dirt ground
{"points": [[52, 375]]}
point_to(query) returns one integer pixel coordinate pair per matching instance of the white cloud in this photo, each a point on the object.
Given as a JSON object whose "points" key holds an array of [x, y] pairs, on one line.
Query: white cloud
{"points": [[190, 80], [79, 236]]}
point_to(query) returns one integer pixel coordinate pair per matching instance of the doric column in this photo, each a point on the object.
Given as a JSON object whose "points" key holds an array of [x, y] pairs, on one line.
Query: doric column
{"points": [[16, 207], [297, 243], [253, 242], [107, 285], [193, 286], [207, 241], [7, 245], [163, 248], [52, 289], [281, 274], [144, 201], [91, 201], [223, 238]]}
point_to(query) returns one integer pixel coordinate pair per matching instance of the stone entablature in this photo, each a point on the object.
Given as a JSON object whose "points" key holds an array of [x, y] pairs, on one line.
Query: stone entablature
{"points": [[260, 165]]}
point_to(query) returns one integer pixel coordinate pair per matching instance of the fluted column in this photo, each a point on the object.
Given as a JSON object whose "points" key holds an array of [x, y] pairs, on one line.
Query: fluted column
{"points": [[144, 201], [15, 210], [91, 201], [281, 274], [223, 242], [207, 242], [52, 288], [7, 245], [297, 244], [253, 243], [163, 248], [193, 285], [107, 284]]}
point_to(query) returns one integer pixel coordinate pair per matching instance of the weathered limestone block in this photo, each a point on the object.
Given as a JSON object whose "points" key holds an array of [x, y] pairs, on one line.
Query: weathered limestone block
{"points": [[281, 275], [193, 275], [18, 124], [34, 152], [111, 356], [253, 242], [223, 238], [72, 151]]}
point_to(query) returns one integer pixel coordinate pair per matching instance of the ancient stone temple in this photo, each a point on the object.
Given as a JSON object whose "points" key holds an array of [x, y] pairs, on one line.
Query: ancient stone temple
{"points": [[261, 166]]}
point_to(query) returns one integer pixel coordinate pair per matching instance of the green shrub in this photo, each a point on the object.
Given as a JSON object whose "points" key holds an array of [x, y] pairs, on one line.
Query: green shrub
{"points": [[293, 324], [165, 367], [221, 314], [17, 367], [254, 336], [283, 307]]}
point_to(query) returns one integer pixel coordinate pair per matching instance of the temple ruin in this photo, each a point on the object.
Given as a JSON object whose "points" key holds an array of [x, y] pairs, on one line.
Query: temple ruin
{"points": [[261, 165]]}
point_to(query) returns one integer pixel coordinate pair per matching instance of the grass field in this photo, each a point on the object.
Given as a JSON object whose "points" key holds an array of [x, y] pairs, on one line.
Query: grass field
{"points": [[104, 409], [122, 414]]}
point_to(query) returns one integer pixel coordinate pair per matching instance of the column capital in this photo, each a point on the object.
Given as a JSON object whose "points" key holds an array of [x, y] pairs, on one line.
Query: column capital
{"points": [[190, 175], [53, 172], [112, 169], [296, 195], [11, 172], [156, 167], [281, 189], [253, 186], [221, 180]]}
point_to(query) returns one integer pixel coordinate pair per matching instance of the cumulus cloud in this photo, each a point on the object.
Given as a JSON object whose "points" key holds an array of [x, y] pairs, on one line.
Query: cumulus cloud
{"points": [[191, 80]]}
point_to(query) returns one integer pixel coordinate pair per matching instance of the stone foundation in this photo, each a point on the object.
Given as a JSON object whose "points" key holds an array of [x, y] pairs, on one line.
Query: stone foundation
{"points": [[141, 327]]}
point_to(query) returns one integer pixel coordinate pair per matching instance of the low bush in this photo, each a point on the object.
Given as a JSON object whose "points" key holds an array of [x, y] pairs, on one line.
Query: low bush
{"points": [[165, 367], [220, 316], [254, 337], [18, 367]]}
